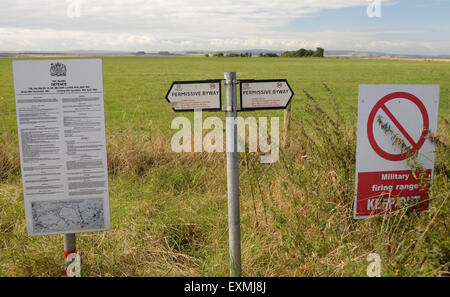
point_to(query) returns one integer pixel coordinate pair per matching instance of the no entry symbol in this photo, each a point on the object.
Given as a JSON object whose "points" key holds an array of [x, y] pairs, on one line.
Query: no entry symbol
{"points": [[415, 145]]}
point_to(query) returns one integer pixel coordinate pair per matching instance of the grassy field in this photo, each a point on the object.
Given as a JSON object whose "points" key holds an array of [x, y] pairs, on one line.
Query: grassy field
{"points": [[169, 210]]}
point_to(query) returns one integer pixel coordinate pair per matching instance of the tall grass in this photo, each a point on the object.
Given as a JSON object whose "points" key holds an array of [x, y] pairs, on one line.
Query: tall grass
{"points": [[309, 195], [9, 156]]}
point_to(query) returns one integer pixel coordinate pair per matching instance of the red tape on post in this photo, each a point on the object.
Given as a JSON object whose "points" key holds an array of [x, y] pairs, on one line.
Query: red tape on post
{"points": [[67, 253]]}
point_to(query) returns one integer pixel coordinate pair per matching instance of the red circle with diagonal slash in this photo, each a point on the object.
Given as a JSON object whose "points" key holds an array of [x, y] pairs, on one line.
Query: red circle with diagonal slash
{"points": [[382, 105]]}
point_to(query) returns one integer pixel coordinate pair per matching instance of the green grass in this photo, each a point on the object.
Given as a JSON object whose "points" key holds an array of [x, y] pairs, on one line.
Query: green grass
{"points": [[135, 88], [169, 211]]}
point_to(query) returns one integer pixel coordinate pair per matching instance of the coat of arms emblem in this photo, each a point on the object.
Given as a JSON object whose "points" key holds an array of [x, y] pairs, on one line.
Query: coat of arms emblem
{"points": [[58, 69]]}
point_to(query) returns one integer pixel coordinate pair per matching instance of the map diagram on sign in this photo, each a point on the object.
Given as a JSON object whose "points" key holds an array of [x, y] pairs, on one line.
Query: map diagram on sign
{"points": [[63, 215]]}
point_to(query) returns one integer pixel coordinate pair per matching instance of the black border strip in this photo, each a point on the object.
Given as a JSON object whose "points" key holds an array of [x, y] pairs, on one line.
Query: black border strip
{"points": [[197, 82], [263, 81], [274, 286]]}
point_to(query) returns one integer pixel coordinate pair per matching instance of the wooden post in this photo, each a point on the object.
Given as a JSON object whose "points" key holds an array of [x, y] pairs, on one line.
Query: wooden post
{"points": [[287, 125]]}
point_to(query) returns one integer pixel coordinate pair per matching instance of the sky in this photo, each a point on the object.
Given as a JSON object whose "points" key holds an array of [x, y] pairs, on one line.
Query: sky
{"points": [[402, 27]]}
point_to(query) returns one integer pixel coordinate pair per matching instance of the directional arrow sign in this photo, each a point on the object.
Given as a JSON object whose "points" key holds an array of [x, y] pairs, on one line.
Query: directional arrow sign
{"points": [[265, 94], [195, 95]]}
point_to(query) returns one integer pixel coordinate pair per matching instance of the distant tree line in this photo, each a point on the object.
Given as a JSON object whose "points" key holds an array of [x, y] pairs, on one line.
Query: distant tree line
{"points": [[230, 55], [319, 52], [304, 53], [268, 55]]}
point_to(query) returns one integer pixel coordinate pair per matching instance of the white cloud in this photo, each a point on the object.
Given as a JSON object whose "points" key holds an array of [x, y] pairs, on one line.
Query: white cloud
{"points": [[175, 25], [164, 16]]}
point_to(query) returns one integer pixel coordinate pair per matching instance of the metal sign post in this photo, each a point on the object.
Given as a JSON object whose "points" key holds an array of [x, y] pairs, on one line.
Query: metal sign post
{"points": [[70, 244], [70, 247], [234, 231]]}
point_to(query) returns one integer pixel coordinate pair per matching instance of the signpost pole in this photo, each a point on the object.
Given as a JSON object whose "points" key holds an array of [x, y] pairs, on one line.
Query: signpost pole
{"points": [[70, 244], [234, 231]]}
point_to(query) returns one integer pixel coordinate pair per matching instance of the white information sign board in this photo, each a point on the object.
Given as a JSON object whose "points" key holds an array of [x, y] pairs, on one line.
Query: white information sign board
{"points": [[61, 127]]}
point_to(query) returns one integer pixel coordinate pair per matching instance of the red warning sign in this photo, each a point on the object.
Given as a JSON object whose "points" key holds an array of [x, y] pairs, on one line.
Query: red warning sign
{"points": [[416, 145], [385, 181], [385, 191]]}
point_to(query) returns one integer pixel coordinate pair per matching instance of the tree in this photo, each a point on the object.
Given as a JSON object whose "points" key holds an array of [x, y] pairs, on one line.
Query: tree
{"points": [[268, 55], [319, 52]]}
